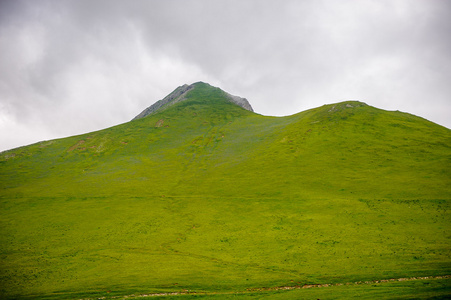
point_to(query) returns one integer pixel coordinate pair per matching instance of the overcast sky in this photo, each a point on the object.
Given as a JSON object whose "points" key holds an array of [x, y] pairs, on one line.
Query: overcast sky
{"points": [[71, 67]]}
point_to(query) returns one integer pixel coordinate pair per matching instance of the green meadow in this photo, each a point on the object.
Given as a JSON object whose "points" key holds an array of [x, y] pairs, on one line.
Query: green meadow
{"points": [[206, 196]]}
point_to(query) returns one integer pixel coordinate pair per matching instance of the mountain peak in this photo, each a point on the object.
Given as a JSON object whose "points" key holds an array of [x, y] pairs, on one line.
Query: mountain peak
{"points": [[181, 93]]}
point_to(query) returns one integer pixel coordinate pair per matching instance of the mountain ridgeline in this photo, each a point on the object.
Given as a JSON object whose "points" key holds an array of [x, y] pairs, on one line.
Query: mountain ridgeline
{"points": [[199, 192], [182, 93]]}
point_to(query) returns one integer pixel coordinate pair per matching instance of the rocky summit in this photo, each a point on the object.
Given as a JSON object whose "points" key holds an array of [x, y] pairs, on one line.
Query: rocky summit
{"points": [[182, 93]]}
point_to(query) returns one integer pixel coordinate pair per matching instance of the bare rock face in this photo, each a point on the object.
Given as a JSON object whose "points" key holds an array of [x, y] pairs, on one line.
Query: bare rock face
{"points": [[179, 94], [176, 96], [240, 102]]}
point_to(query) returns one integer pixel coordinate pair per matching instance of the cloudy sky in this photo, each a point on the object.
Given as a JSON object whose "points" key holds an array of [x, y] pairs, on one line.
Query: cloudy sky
{"points": [[73, 66]]}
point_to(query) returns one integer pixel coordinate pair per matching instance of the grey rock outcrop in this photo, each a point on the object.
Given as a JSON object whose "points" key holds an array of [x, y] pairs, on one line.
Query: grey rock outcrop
{"points": [[179, 94], [240, 101], [176, 96]]}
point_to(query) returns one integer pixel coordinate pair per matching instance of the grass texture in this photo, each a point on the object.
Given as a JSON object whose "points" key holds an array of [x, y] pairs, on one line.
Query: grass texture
{"points": [[207, 196]]}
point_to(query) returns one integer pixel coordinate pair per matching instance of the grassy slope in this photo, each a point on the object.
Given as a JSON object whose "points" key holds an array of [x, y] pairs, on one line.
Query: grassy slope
{"points": [[424, 289], [213, 197]]}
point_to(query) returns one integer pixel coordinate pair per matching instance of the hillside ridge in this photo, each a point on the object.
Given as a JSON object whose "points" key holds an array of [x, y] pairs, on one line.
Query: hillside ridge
{"points": [[181, 93]]}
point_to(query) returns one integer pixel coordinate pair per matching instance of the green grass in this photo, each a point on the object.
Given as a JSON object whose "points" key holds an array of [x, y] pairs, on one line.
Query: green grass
{"points": [[207, 196], [427, 289]]}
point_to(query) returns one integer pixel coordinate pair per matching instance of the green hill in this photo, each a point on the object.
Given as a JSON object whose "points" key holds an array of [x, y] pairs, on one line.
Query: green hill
{"points": [[205, 195]]}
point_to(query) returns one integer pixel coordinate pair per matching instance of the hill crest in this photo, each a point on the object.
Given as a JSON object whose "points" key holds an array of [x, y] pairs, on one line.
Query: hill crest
{"points": [[181, 93]]}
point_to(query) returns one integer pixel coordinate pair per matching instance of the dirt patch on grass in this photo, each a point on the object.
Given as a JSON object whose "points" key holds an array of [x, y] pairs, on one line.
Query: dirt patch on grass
{"points": [[159, 123], [77, 146]]}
